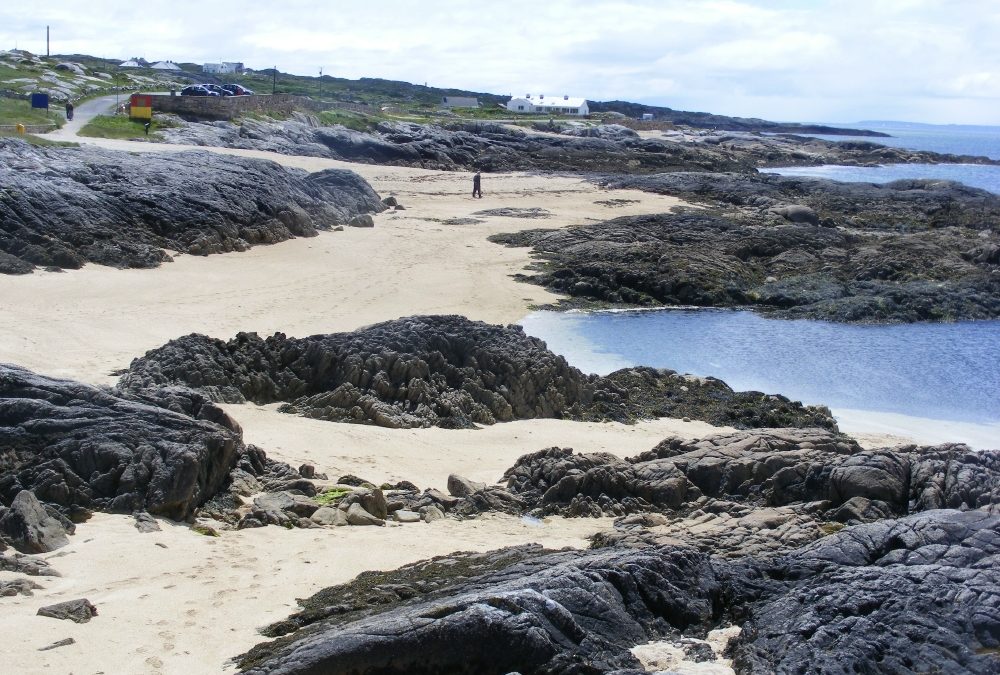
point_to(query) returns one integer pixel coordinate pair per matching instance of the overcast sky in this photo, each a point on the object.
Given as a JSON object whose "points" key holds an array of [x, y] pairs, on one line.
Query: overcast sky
{"points": [[801, 60]]}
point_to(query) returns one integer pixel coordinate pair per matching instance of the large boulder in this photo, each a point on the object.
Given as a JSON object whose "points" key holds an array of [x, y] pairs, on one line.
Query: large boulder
{"points": [[29, 528], [81, 447]]}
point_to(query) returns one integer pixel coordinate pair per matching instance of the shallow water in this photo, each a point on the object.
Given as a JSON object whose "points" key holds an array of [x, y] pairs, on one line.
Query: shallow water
{"points": [[983, 176], [939, 371]]}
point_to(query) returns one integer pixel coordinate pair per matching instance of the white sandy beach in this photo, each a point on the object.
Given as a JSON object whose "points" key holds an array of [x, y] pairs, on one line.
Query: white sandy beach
{"points": [[190, 606]]}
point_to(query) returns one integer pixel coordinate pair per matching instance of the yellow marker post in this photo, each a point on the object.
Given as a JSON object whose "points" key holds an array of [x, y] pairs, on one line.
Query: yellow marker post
{"points": [[140, 107], [20, 128]]}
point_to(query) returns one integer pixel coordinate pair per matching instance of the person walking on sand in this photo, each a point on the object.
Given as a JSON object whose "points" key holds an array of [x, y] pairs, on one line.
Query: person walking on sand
{"points": [[69, 110], [477, 186]]}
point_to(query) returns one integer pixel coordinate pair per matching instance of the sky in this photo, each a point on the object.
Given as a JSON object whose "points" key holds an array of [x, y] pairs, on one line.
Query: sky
{"points": [[790, 60]]}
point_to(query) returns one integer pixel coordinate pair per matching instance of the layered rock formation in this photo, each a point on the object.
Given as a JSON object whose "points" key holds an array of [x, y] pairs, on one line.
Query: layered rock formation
{"points": [[918, 594], [444, 371], [762, 468], [559, 146], [83, 448], [485, 146], [798, 248], [64, 207]]}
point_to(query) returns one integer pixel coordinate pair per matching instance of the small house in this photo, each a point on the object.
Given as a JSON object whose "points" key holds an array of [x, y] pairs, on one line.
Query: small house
{"points": [[553, 105], [165, 65], [224, 68], [131, 63]]}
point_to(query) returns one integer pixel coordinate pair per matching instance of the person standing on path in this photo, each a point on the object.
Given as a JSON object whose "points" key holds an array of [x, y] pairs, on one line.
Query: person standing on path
{"points": [[69, 110], [477, 186]]}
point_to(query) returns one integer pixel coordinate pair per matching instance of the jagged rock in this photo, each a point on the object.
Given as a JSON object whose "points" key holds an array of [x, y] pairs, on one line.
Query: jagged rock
{"points": [[17, 587], [356, 515], [443, 371], [29, 528], [77, 611], [145, 523], [80, 447], [361, 220], [917, 594], [65, 207], [762, 467], [463, 487], [25, 564], [374, 503]]}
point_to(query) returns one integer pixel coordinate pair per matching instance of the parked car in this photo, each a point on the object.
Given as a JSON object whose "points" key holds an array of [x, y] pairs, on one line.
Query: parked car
{"points": [[217, 89], [197, 90], [237, 90]]}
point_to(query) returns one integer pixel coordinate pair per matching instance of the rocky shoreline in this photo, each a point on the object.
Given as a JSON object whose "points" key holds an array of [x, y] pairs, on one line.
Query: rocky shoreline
{"points": [[795, 535], [907, 251], [549, 147], [777, 545]]}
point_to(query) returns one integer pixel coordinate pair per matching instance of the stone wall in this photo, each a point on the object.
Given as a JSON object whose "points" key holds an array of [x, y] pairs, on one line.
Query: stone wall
{"points": [[229, 107]]}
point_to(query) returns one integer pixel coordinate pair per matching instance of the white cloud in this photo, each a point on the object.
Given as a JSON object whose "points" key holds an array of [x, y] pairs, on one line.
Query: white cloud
{"points": [[837, 60]]}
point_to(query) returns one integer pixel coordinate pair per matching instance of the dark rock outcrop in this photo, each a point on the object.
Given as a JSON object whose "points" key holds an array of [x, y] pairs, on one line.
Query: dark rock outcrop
{"points": [[463, 145], [80, 447], [917, 594], [65, 207], [907, 252], [445, 371], [914, 595], [29, 528], [900, 206], [767, 468]]}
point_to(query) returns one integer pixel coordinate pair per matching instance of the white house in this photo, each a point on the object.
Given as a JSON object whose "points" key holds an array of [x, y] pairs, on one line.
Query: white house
{"points": [[131, 63], [223, 68], [553, 105], [165, 65]]}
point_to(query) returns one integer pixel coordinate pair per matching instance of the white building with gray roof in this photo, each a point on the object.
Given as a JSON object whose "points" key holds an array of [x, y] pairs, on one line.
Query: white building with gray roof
{"points": [[551, 105]]}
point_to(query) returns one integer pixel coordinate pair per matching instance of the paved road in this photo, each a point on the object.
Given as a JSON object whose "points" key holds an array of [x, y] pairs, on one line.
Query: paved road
{"points": [[84, 113]]}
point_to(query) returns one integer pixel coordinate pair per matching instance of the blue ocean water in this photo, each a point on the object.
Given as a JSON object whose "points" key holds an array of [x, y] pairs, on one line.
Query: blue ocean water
{"points": [[976, 175], [956, 139], [941, 371]]}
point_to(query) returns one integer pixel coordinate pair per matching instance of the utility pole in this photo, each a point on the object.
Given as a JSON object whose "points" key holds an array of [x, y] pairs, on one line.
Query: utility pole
{"points": [[274, 80], [46, 41], [321, 82]]}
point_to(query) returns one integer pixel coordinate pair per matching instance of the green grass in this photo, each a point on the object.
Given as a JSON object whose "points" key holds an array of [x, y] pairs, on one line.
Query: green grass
{"points": [[331, 496], [349, 119], [41, 141], [121, 127], [14, 111]]}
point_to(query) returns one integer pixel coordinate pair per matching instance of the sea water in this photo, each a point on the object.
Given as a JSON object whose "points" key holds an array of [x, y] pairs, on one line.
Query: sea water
{"points": [[946, 372], [931, 382], [982, 141]]}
